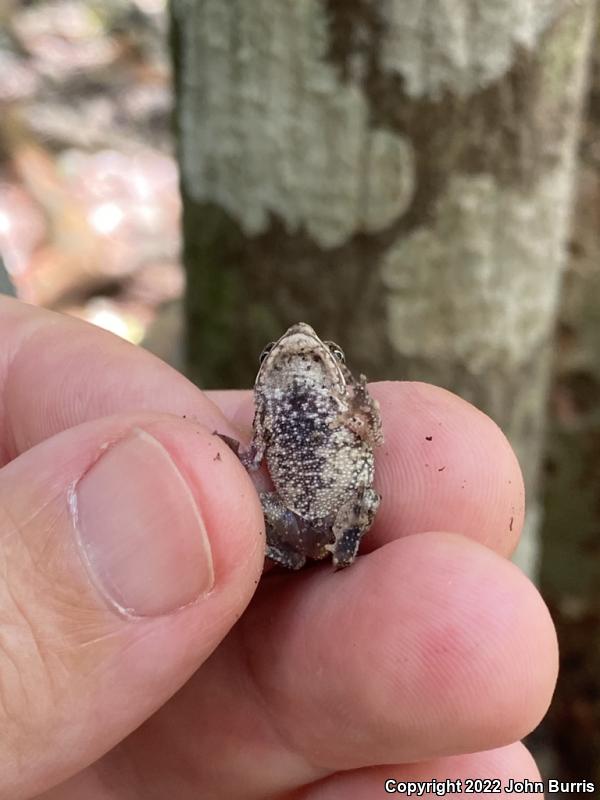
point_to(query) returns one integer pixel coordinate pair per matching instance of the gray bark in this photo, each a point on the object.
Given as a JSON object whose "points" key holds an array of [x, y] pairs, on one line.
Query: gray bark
{"points": [[396, 173], [570, 570]]}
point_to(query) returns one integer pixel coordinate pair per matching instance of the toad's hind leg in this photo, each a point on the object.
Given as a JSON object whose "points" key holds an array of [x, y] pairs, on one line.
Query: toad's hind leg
{"points": [[351, 523], [284, 537], [285, 557]]}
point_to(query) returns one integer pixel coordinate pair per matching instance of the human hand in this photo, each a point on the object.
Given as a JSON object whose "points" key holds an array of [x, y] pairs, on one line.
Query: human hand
{"points": [[429, 647]]}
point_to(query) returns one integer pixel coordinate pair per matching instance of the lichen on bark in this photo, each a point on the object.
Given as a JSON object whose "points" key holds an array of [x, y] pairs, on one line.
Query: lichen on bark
{"points": [[267, 129], [480, 284], [459, 46]]}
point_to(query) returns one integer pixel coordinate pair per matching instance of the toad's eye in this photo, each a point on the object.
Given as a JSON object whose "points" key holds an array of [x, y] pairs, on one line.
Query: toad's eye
{"points": [[266, 350], [337, 351]]}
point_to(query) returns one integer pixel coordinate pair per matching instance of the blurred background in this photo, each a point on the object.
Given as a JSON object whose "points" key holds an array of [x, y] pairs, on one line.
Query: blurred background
{"points": [[89, 199], [422, 188]]}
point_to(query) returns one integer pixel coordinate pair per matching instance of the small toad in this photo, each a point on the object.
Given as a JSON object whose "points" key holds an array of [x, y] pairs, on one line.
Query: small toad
{"points": [[315, 425]]}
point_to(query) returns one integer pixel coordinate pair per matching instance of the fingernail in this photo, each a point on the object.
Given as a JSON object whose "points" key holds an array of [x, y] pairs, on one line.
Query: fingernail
{"points": [[140, 530]]}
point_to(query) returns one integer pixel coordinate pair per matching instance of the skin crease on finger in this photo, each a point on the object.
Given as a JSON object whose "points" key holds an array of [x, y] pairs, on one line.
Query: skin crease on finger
{"points": [[456, 470], [504, 764]]}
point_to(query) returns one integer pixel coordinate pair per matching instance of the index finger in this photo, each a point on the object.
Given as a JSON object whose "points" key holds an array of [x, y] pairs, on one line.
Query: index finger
{"points": [[57, 372], [445, 465]]}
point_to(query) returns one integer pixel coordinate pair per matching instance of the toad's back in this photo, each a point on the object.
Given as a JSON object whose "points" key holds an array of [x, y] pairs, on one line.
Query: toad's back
{"points": [[315, 463]]}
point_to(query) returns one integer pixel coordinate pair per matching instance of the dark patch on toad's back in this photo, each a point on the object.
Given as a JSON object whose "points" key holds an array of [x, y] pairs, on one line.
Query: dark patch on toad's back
{"points": [[297, 453]]}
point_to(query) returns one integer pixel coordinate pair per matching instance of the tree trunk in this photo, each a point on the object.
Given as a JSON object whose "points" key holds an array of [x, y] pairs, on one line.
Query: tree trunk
{"points": [[570, 574], [396, 173]]}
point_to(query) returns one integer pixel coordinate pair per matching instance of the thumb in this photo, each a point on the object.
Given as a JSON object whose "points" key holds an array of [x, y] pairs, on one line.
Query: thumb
{"points": [[129, 546]]}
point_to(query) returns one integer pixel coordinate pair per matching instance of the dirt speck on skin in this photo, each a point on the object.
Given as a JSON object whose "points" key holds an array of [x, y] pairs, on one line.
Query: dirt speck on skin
{"points": [[510, 527], [441, 469], [217, 457], [429, 438]]}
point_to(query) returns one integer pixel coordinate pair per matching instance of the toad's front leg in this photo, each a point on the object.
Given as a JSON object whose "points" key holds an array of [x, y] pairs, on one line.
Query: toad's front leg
{"points": [[251, 457], [361, 414], [352, 521]]}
